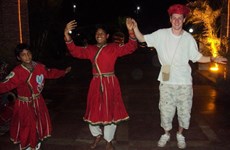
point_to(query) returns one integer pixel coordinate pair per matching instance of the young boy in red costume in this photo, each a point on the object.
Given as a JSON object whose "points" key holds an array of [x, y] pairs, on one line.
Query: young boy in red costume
{"points": [[30, 122], [105, 107]]}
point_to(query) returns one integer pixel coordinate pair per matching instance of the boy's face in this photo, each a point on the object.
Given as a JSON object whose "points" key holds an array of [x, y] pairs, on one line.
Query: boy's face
{"points": [[25, 56], [177, 21], [101, 36]]}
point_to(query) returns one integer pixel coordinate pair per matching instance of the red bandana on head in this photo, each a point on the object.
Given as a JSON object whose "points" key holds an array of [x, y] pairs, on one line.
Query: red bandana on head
{"points": [[178, 9]]}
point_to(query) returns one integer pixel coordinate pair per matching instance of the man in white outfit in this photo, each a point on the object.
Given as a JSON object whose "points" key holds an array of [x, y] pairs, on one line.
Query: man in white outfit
{"points": [[175, 48]]}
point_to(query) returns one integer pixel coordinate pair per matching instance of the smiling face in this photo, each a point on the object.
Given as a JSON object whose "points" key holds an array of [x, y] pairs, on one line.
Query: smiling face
{"points": [[25, 56], [101, 37], [177, 21]]}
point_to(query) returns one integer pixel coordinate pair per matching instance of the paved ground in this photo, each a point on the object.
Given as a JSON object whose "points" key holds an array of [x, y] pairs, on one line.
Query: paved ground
{"points": [[66, 99]]}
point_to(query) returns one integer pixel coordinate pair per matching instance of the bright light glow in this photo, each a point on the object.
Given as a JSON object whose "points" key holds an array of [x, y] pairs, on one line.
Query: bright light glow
{"points": [[74, 6], [215, 43], [138, 7], [191, 30], [211, 106], [214, 68]]}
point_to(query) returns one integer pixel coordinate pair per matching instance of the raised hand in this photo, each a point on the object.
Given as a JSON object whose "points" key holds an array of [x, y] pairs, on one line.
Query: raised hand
{"points": [[129, 23], [130, 27], [134, 23], [69, 27]]}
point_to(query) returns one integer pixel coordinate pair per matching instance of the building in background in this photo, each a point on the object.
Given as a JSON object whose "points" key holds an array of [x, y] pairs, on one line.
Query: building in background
{"points": [[14, 27]]}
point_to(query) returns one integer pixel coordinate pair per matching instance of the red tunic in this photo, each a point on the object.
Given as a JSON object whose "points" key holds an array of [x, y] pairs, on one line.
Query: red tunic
{"points": [[104, 101], [31, 120]]}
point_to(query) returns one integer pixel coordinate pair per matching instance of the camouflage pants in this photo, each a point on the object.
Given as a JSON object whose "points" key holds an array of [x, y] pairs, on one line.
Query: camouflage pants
{"points": [[175, 98]]}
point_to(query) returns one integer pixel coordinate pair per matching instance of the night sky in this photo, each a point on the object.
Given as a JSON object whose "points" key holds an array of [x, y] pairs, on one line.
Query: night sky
{"points": [[151, 16], [50, 17]]}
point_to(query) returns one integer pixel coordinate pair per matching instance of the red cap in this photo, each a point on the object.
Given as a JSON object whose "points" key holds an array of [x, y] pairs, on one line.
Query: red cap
{"points": [[178, 9]]}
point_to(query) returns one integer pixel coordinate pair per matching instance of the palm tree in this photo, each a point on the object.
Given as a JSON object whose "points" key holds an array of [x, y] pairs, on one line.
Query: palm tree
{"points": [[205, 17]]}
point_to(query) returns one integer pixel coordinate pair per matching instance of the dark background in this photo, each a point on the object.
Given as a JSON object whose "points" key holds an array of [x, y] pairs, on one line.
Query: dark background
{"points": [[151, 16], [47, 19]]}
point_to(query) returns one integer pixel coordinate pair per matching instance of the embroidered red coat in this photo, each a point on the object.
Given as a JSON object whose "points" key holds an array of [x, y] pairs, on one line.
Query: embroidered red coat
{"points": [[104, 100], [30, 121]]}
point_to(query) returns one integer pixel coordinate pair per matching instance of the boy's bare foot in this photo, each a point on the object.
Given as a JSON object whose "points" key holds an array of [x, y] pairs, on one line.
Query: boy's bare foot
{"points": [[96, 141], [109, 146]]}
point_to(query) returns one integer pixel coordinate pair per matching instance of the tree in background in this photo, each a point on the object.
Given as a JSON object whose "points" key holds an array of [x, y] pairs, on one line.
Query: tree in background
{"points": [[205, 18]]}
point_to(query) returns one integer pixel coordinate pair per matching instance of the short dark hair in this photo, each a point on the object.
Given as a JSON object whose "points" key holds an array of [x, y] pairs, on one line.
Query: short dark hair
{"points": [[103, 27], [20, 47]]}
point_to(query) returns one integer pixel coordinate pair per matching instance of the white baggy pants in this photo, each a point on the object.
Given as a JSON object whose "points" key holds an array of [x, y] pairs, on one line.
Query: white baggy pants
{"points": [[109, 131]]}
